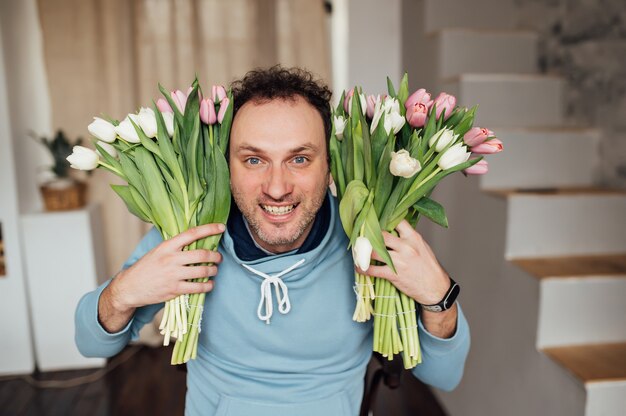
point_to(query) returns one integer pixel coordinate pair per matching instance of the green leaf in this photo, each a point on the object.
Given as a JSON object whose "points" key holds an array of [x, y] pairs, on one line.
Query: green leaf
{"points": [[372, 231], [357, 150], [384, 184], [124, 192], [351, 204], [466, 123], [227, 122], [145, 140], [336, 166], [177, 114], [340, 110], [390, 89], [403, 93], [166, 147], [110, 160], [132, 173], [433, 210]]}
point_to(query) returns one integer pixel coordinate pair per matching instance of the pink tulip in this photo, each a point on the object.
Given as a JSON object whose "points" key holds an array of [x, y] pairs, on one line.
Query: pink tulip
{"points": [[488, 147], [346, 100], [180, 99], [218, 93], [207, 111], [476, 136], [164, 106], [416, 114], [419, 96], [445, 102], [223, 107], [371, 104], [479, 168]]}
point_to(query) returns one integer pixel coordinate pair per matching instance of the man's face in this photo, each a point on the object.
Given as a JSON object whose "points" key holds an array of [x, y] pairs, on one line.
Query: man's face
{"points": [[278, 170]]}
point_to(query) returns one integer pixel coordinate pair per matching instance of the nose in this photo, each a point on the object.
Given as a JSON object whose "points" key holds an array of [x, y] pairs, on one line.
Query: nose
{"points": [[278, 183]]}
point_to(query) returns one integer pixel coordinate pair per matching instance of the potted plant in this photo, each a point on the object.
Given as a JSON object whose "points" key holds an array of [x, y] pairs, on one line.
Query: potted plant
{"points": [[63, 192]]}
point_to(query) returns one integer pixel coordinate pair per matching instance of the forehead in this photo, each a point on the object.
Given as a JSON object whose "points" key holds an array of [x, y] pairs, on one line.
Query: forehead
{"points": [[277, 123]]}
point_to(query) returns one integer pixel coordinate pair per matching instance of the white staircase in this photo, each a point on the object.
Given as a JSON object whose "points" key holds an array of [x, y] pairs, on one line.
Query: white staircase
{"points": [[538, 248]]}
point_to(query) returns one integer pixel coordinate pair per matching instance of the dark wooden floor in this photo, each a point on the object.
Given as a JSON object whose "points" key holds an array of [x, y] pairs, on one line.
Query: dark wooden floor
{"points": [[147, 384]]}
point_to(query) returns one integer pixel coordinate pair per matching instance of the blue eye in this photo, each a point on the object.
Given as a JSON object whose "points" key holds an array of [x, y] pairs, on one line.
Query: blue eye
{"points": [[253, 161], [300, 159]]}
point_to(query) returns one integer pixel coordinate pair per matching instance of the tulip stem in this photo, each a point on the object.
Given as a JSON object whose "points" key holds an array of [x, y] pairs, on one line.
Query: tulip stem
{"points": [[112, 169]]}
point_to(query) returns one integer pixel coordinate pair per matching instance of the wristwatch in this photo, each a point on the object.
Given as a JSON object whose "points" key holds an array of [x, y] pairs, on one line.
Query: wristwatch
{"points": [[448, 299]]}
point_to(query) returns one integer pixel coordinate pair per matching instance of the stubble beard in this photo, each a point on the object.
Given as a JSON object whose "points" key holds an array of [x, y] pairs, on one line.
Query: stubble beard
{"points": [[307, 216]]}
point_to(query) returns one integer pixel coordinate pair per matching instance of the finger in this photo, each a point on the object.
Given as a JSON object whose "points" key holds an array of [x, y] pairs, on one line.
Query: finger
{"points": [[198, 256], [193, 234], [393, 242], [379, 271], [185, 288], [198, 272], [410, 234]]}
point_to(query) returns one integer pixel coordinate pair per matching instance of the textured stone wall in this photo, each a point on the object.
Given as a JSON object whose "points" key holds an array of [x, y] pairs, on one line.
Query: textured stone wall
{"points": [[585, 41]]}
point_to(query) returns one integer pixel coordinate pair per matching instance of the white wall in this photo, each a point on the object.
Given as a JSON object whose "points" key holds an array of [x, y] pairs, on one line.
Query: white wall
{"points": [[375, 44], [27, 94], [17, 354]]}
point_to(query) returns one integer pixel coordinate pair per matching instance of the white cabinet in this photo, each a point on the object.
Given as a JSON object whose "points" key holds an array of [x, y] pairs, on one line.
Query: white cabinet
{"points": [[63, 258]]}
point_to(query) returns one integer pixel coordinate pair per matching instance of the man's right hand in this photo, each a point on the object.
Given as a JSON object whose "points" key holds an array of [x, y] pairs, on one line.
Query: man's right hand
{"points": [[159, 276]]}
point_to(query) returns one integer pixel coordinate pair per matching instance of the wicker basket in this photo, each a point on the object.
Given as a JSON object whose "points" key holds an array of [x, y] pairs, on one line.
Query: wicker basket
{"points": [[63, 196]]}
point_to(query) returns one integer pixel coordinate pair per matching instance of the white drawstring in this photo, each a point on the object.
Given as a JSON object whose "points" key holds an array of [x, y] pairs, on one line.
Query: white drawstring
{"points": [[266, 292]]}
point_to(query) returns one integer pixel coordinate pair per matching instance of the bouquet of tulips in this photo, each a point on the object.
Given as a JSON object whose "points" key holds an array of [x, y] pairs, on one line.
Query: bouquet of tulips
{"points": [[172, 158], [387, 155]]}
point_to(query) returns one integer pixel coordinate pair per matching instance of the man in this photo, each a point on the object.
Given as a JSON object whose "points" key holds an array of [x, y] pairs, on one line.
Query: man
{"points": [[291, 349]]}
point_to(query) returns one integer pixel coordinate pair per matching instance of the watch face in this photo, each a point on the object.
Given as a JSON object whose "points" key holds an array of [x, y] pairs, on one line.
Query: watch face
{"points": [[454, 292]]}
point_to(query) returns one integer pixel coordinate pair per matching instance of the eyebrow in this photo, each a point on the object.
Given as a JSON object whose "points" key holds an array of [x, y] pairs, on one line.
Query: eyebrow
{"points": [[254, 149]]}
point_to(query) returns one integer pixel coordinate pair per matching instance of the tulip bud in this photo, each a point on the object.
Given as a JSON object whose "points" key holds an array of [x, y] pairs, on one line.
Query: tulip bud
{"points": [[371, 105], [416, 115], [180, 99], [445, 102], [207, 111], [442, 139], [347, 101], [362, 253], [402, 164], [391, 105], [378, 112], [218, 93], [223, 107], [476, 136], [147, 121], [393, 122], [102, 130], [419, 97], [107, 148], [480, 168], [340, 125], [168, 118], [488, 147], [164, 106], [83, 158], [127, 131], [455, 155]]}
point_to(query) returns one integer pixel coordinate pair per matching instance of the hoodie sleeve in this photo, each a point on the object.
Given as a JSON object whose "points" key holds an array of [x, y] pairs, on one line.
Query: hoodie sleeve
{"points": [[443, 359], [91, 338]]}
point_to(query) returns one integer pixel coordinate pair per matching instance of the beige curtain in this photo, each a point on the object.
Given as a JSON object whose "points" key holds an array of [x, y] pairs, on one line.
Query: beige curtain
{"points": [[107, 56]]}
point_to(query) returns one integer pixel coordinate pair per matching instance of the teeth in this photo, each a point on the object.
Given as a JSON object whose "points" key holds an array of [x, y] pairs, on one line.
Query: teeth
{"points": [[278, 210]]}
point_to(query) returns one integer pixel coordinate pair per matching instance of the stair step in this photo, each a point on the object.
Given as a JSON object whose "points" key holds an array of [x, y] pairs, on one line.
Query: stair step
{"points": [[605, 265], [440, 14], [534, 158], [582, 310], [510, 100], [485, 51], [592, 363], [565, 222]]}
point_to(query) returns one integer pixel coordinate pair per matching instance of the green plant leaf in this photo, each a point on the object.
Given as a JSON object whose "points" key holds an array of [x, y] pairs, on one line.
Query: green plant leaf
{"points": [[432, 210], [124, 192], [390, 89], [373, 233], [351, 204]]}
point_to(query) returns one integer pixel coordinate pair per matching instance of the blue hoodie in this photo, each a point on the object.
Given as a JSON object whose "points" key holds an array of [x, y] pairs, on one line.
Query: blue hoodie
{"points": [[305, 357]]}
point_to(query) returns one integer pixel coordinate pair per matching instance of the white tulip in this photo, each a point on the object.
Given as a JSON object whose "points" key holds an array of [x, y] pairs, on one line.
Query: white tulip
{"points": [[340, 125], [107, 148], [455, 155], [391, 105], [362, 252], [442, 139], [83, 158], [394, 122], [127, 131], [363, 99], [147, 121], [168, 118], [378, 112], [102, 130], [402, 164]]}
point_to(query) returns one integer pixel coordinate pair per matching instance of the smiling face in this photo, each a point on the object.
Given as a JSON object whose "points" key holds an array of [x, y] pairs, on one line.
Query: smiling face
{"points": [[278, 170]]}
